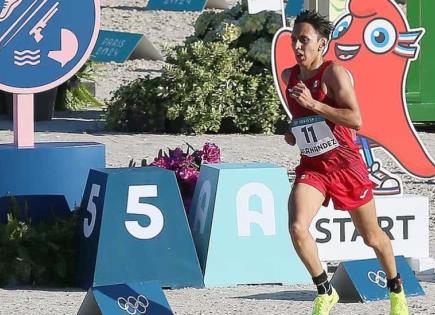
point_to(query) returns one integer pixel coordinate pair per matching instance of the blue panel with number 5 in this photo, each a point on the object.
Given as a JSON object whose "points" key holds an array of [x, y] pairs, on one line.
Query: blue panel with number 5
{"points": [[133, 227], [176, 5]]}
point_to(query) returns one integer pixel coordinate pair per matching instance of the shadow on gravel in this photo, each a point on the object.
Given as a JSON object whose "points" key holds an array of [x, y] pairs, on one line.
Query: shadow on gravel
{"points": [[304, 295], [147, 70], [42, 289], [124, 8], [429, 127], [68, 122]]}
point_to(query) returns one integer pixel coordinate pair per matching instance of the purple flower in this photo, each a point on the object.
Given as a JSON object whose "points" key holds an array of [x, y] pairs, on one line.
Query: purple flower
{"points": [[162, 162], [188, 174], [211, 153], [177, 153], [186, 167]]}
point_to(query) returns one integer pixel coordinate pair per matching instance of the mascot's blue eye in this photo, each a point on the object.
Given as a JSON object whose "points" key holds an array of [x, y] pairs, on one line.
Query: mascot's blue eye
{"points": [[342, 26], [380, 36]]}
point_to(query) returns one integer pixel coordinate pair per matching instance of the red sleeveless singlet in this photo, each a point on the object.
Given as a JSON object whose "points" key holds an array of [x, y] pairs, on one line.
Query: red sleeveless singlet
{"points": [[347, 152]]}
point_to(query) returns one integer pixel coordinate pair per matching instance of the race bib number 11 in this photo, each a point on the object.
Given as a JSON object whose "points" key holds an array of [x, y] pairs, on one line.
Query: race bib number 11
{"points": [[313, 135]]}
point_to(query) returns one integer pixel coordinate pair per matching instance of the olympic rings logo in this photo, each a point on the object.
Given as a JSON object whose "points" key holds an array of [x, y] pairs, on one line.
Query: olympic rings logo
{"points": [[379, 278], [134, 305]]}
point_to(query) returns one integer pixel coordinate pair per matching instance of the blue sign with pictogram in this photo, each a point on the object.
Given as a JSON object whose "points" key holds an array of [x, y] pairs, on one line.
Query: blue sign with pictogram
{"points": [[45, 42]]}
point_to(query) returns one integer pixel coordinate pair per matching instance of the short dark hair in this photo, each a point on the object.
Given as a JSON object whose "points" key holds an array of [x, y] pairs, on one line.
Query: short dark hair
{"points": [[320, 23]]}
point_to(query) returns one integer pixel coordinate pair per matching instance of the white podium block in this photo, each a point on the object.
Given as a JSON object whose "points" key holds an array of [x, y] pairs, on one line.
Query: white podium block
{"points": [[405, 219], [424, 265]]}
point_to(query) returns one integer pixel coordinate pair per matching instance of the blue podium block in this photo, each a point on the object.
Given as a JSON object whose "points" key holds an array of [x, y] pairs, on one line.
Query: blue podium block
{"points": [[129, 298], [48, 176], [239, 223], [133, 227], [176, 5], [364, 280]]}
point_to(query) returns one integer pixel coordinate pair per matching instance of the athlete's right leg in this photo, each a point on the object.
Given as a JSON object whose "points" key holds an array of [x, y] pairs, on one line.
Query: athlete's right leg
{"points": [[304, 202]]}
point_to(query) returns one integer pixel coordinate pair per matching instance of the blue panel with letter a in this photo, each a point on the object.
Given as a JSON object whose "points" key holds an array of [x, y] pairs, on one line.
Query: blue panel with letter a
{"points": [[127, 298], [364, 280], [133, 227], [239, 224]]}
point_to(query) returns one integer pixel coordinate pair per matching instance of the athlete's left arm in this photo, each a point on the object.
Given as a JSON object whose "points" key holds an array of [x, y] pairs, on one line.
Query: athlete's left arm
{"points": [[340, 89]]}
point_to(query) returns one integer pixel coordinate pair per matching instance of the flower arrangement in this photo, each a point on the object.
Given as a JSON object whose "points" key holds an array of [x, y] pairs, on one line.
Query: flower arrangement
{"points": [[186, 166]]}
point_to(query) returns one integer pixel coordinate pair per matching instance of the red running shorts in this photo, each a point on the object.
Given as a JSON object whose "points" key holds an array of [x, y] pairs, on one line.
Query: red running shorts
{"points": [[349, 188]]}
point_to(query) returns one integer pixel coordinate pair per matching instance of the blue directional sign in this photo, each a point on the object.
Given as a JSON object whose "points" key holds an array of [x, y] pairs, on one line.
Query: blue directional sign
{"points": [[44, 42], [115, 46], [120, 46], [176, 5], [294, 7]]}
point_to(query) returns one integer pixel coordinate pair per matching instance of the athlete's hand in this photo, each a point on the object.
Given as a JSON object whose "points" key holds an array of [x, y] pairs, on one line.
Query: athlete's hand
{"points": [[290, 138], [302, 95]]}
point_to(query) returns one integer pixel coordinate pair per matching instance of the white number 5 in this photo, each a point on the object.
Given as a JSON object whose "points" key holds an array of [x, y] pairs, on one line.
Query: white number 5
{"points": [[88, 228], [136, 207]]}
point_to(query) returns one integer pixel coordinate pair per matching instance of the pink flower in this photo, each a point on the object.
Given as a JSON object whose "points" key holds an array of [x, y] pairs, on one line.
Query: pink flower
{"points": [[162, 162], [187, 166], [211, 153]]}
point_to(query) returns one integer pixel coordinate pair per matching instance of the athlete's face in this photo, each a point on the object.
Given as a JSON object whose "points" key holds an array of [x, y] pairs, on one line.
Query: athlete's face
{"points": [[307, 44]]}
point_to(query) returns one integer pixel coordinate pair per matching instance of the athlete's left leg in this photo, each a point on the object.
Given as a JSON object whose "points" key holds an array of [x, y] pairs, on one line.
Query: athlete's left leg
{"points": [[366, 222]]}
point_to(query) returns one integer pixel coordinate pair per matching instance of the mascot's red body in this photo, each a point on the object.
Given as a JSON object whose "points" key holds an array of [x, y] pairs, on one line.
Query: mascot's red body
{"points": [[375, 44]]}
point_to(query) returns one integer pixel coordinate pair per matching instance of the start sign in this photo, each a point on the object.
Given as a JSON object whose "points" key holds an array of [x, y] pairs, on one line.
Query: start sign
{"points": [[45, 42]]}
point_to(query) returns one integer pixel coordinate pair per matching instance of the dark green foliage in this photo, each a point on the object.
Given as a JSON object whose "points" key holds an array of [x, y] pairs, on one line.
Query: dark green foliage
{"points": [[73, 94], [37, 255], [220, 76], [138, 106], [254, 32], [209, 81]]}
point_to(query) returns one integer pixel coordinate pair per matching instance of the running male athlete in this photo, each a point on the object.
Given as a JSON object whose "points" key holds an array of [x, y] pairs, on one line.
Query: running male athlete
{"points": [[325, 117]]}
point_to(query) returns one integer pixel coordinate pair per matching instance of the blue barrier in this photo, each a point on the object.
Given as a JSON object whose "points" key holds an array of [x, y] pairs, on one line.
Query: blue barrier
{"points": [[239, 223], [364, 280], [129, 298], [133, 227], [50, 176]]}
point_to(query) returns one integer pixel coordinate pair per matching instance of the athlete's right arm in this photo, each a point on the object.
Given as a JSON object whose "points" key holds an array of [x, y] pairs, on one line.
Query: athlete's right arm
{"points": [[288, 136], [285, 75]]}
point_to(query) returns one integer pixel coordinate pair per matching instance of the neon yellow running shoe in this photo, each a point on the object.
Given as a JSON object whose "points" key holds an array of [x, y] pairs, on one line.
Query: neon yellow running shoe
{"points": [[324, 303], [398, 303]]}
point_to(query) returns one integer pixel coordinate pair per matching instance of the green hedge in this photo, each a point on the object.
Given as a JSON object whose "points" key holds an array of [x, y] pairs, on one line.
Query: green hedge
{"points": [[221, 76]]}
